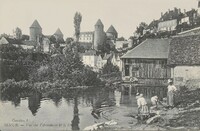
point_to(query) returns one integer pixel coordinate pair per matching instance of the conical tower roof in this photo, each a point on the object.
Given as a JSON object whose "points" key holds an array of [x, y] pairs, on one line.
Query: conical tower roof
{"points": [[99, 23], [58, 32], [36, 25], [111, 29]]}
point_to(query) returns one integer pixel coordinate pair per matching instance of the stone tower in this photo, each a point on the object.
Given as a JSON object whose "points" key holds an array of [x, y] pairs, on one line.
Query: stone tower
{"points": [[58, 35], [35, 31], [111, 33], [99, 34]]}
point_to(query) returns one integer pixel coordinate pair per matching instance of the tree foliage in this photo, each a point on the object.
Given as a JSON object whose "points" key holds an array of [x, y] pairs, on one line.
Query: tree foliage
{"points": [[110, 68], [18, 33], [141, 27], [77, 24]]}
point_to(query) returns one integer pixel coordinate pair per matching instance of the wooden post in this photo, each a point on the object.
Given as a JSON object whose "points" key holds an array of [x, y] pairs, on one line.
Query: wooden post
{"points": [[130, 89]]}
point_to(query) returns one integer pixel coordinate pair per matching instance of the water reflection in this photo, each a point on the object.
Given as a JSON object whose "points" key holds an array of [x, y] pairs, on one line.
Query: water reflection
{"points": [[117, 94], [34, 102], [75, 121], [87, 102]]}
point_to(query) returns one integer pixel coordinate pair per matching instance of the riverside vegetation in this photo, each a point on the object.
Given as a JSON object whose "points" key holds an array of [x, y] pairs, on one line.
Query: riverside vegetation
{"points": [[26, 69]]}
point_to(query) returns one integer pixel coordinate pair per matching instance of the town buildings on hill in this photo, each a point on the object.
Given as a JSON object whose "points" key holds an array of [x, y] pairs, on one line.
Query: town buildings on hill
{"points": [[172, 22], [155, 60]]}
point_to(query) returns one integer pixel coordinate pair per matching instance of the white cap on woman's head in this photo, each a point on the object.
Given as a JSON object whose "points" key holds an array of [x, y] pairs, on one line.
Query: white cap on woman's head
{"points": [[169, 81], [137, 94], [141, 95]]}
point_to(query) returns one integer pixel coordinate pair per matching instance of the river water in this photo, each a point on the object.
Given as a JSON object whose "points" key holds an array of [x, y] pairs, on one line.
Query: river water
{"points": [[60, 109]]}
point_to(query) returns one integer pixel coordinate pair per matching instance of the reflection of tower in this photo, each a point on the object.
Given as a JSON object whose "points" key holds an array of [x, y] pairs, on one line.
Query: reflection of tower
{"points": [[117, 97], [35, 31], [76, 119], [34, 102], [16, 101], [99, 34]]}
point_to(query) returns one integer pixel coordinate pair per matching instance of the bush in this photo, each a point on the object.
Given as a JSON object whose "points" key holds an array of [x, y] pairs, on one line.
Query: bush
{"points": [[110, 68], [12, 86]]}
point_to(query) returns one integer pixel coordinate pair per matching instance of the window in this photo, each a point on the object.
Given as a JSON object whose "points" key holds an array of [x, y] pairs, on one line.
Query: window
{"points": [[127, 70]]}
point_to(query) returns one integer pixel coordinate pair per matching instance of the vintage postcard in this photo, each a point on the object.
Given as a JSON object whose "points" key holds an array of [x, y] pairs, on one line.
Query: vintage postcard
{"points": [[99, 65]]}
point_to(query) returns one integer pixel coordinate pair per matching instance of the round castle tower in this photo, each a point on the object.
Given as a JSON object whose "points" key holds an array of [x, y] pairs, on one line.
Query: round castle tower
{"points": [[111, 33], [35, 31], [99, 34], [58, 35]]}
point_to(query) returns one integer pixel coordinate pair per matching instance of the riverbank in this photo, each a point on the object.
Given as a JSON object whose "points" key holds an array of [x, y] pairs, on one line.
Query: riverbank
{"points": [[184, 116]]}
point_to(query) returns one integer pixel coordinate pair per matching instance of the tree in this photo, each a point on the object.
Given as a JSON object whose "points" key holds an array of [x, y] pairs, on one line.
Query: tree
{"points": [[110, 68], [77, 23], [141, 27]]}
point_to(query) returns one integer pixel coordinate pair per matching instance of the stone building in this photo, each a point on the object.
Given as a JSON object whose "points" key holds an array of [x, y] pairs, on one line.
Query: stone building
{"points": [[35, 31], [147, 62], [99, 34], [184, 58], [87, 37], [111, 33], [58, 35]]}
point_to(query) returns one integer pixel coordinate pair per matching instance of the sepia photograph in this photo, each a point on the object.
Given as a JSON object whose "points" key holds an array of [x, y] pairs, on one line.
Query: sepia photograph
{"points": [[99, 65]]}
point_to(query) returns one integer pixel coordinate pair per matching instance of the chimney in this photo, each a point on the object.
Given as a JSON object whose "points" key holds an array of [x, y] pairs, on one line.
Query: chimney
{"points": [[161, 14], [168, 10], [175, 9], [184, 10]]}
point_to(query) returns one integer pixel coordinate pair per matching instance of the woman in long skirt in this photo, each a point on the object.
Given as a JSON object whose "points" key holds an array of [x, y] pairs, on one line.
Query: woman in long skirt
{"points": [[170, 94]]}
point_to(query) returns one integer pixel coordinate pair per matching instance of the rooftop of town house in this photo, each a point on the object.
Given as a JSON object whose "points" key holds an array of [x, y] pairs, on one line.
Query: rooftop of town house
{"points": [[150, 49], [58, 32], [36, 25], [10, 41], [185, 50], [190, 13], [170, 14], [111, 29]]}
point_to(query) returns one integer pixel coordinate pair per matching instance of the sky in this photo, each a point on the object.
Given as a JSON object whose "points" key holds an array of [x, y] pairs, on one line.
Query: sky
{"points": [[124, 15]]}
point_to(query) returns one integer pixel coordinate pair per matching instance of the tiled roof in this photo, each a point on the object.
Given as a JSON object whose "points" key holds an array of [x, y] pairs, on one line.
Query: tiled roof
{"points": [[171, 14], [150, 49], [185, 50], [194, 31], [36, 25], [13, 41], [111, 29]]}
